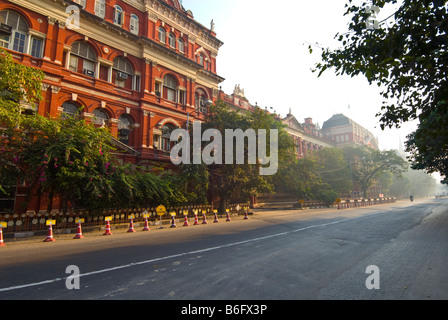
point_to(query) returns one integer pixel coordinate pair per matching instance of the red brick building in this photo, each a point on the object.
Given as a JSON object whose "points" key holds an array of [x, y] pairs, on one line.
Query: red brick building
{"points": [[143, 68]]}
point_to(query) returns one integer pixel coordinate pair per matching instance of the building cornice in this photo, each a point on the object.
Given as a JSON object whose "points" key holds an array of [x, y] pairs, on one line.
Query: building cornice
{"points": [[159, 10]]}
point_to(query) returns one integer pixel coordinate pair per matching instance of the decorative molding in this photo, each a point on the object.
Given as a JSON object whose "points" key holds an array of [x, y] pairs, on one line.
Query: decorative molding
{"points": [[51, 20], [55, 89]]}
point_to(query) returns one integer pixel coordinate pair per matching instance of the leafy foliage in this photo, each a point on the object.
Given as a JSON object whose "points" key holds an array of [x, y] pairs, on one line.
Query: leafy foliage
{"points": [[66, 157], [368, 165], [407, 56]]}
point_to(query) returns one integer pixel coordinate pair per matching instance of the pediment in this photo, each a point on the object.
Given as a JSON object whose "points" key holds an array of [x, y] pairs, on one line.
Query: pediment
{"points": [[292, 122]]}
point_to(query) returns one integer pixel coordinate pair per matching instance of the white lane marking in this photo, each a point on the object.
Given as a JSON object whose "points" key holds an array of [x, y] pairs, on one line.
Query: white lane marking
{"points": [[186, 253]]}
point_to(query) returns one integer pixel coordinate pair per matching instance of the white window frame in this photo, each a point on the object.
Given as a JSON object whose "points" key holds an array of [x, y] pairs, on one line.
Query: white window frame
{"points": [[100, 8], [119, 13], [171, 89], [32, 44], [172, 40], [81, 2], [134, 25], [15, 32], [87, 61], [162, 35], [181, 45]]}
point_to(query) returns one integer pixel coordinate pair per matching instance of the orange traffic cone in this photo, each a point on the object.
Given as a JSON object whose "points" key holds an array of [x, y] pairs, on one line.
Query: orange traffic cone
{"points": [[228, 216], [49, 234], [204, 219], [79, 232], [216, 218], [131, 226], [146, 226], [107, 233], [245, 215], [2, 244], [185, 221], [173, 223], [196, 222]]}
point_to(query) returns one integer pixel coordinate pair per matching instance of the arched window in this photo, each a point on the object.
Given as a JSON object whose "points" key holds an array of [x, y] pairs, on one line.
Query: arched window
{"points": [[82, 59], [172, 40], [201, 99], [100, 8], [170, 88], [134, 24], [70, 110], [181, 45], [162, 35], [125, 126], [123, 75], [119, 16], [15, 35], [166, 143], [100, 117]]}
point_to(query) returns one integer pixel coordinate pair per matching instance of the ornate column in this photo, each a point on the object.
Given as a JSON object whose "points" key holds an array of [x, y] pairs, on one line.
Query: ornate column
{"points": [[49, 39], [145, 129], [151, 125], [60, 43], [54, 101], [147, 77], [114, 127]]}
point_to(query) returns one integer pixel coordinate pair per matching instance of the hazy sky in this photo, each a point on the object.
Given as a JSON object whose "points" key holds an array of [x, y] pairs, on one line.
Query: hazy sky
{"points": [[266, 51]]}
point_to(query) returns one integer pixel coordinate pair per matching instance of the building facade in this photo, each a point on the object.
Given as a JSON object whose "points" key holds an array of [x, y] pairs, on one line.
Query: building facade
{"points": [[343, 131], [306, 136], [143, 68]]}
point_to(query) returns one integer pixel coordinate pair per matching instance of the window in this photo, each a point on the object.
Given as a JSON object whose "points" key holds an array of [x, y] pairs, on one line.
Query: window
{"points": [[181, 45], [182, 97], [124, 74], [36, 47], [162, 35], [19, 42], [100, 117], [81, 2], [119, 16], [172, 40], [166, 143], [125, 126], [15, 38], [82, 59], [100, 8], [201, 59], [201, 98], [70, 110], [170, 88], [134, 24]]}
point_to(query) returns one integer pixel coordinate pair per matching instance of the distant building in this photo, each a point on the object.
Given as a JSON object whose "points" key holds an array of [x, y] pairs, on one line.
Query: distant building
{"points": [[307, 137], [343, 131]]}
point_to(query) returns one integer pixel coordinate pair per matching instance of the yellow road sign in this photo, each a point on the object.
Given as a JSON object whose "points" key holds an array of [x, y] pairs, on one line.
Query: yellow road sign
{"points": [[161, 210]]}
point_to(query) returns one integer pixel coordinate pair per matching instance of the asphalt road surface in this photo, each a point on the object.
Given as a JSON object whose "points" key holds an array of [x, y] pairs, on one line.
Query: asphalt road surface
{"points": [[399, 250]]}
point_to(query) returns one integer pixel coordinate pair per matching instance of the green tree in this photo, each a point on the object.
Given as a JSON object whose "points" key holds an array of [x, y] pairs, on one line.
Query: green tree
{"points": [[368, 165], [335, 170], [66, 157], [19, 86], [406, 55], [239, 181]]}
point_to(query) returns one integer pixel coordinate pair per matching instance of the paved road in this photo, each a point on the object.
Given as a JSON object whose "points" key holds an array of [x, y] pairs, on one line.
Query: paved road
{"points": [[310, 254]]}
